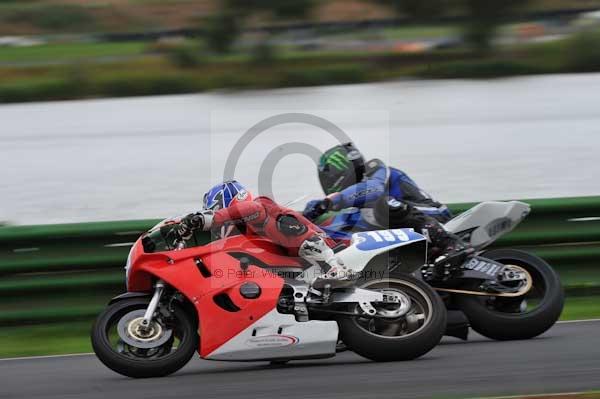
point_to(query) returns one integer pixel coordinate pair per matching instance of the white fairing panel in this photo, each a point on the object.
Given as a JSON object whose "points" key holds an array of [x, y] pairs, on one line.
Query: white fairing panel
{"points": [[485, 223], [280, 336], [367, 245]]}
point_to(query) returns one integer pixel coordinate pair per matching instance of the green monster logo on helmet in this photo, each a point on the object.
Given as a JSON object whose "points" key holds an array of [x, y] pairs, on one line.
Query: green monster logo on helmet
{"points": [[335, 159]]}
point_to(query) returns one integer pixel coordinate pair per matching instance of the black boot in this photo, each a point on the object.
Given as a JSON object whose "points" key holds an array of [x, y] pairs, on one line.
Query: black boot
{"points": [[449, 265]]}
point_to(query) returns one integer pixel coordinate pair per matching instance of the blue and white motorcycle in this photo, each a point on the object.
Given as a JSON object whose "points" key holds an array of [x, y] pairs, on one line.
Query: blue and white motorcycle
{"points": [[503, 294]]}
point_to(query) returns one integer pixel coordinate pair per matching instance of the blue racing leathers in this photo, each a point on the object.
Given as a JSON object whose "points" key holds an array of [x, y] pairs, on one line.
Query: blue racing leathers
{"points": [[381, 181], [389, 198]]}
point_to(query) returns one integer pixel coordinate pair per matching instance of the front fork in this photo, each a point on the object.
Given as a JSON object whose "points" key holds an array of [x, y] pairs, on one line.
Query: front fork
{"points": [[159, 288]]}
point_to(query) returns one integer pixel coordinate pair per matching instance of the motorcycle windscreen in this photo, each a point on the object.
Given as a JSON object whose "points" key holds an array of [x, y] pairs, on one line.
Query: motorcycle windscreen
{"points": [[163, 238]]}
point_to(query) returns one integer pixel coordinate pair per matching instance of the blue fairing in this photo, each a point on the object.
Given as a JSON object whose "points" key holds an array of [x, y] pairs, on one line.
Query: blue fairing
{"points": [[371, 240]]}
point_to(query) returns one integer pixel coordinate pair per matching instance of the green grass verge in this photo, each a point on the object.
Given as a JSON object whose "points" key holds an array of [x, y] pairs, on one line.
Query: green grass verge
{"points": [[73, 337], [70, 52], [404, 32], [53, 339], [581, 308], [421, 32], [588, 395]]}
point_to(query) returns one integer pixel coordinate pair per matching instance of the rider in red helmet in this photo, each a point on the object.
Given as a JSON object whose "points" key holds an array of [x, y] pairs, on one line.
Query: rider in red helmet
{"points": [[229, 204]]}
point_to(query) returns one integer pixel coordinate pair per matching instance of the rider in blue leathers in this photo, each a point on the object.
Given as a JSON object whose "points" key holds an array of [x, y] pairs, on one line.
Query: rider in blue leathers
{"points": [[388, 197], [382, 180]]}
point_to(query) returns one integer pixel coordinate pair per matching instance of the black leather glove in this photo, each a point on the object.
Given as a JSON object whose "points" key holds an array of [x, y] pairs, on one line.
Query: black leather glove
{"points": [[316, 208], [189, 224]]}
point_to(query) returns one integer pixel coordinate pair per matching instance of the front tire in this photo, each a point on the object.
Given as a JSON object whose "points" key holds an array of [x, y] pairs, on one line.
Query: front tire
{"points": [[379, 344], [136, 362], [501, 318]]}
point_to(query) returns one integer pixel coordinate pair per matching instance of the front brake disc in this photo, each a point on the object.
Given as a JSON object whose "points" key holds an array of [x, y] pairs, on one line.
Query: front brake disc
{"points": [[132, 332]]}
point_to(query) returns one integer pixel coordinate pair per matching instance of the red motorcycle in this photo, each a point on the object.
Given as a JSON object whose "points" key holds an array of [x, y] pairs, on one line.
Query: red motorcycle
{"points": [[240, 299]]}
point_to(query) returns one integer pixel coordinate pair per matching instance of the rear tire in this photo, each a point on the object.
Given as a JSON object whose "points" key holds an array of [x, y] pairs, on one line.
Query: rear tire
{"points": [[510, 326], [126, 364], [399, 348]]}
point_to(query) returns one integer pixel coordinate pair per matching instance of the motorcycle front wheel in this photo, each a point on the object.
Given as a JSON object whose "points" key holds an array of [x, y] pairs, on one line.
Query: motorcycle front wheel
{"points": [[161, 349], [405, 337], [522, 317]]}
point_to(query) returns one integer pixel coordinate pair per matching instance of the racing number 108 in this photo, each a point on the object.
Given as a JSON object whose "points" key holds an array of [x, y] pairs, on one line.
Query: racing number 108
{"points": [[388, 235]]}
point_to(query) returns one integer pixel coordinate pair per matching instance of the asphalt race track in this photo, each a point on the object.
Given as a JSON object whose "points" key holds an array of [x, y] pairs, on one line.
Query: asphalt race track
{"points": [[566, 359]]}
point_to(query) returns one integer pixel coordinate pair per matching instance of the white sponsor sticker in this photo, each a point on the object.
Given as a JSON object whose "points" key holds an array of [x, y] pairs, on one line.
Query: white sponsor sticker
{"points": [[242, 195], [272, 341]]}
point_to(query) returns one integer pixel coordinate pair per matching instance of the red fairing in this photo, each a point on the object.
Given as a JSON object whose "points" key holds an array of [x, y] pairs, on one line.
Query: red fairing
{"points": [[263, 241], [180, 270], [260, 218]]}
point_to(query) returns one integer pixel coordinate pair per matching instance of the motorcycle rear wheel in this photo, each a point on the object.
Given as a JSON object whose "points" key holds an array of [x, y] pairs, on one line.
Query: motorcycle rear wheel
{"points": [[501, 318], [137, 362], [378, 339]]}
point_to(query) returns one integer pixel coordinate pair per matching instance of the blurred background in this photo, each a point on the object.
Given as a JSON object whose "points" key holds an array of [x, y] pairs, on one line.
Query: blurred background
{"points": [[89, 160], [67, 49], [475, 99]]}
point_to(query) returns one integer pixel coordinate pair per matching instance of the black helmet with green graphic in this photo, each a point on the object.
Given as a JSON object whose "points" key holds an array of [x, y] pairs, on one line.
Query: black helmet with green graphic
{"points": [[340, 167]]}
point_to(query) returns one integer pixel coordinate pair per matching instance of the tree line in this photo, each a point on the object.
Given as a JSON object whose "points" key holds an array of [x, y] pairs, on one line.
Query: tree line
{"points": [[481, 17]]}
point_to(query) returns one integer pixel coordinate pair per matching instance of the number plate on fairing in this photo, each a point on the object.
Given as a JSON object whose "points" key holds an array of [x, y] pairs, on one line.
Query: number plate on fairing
{"points": [[372, 240]]}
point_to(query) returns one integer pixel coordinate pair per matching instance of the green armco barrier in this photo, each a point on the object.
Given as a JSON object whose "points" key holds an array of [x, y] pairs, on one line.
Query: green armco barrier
{"points": [[60, 231], [74, 281], [49, 315], [53, 273], [572, 206]]}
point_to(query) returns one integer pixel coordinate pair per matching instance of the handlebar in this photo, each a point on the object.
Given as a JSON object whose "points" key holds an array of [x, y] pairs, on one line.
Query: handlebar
{"points": [[179, 244], [174, 240]]}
